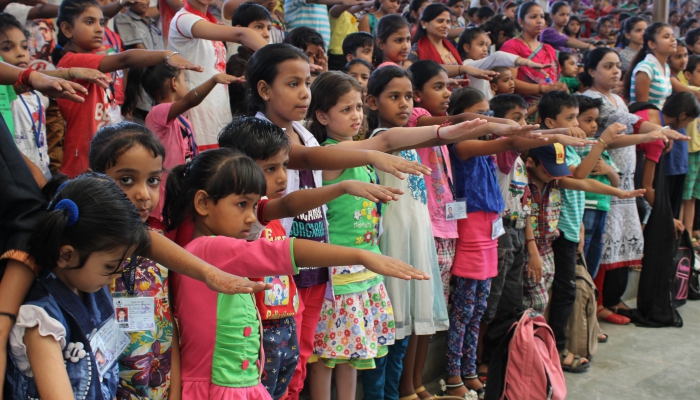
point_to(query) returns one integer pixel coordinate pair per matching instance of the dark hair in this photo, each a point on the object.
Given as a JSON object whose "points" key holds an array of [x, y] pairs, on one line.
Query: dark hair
{"points": [[423, 71], [563, 57], [257, 138], [464, 98], [451, 3], [151, 79], [622, 17], [386, 26], [693, 62], [68, 11], [671, 13], [8, 21], [566, 27], [692, 36], [525, 8], [681, 102], [378, 81], [325, 93], [249, 12], [500, 69], [357, 60], [591, 61], [430, 12], [472, 12], [219, 172], [687, 24], [627, 28], [414, 5], [601, 21], [586, 103], [552, 103], [508, 4], [112, 141], [302, 36], [51, 187], [649, 36], [106, 221], [502, 103], [485, 12], [497, 24], [264, 66], [554, 8], [467, 36], [357, 40]]}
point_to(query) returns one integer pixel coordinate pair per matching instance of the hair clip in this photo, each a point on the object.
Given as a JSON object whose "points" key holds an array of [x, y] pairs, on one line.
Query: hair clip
{"points": [[71, 210], [187, 169]]}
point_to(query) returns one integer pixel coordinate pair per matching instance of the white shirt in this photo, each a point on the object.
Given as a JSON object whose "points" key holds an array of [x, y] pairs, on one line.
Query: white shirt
{"points": [[25, 135], [497, 59]]}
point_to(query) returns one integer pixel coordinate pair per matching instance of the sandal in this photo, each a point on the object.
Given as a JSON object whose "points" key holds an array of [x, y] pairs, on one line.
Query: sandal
{"points": [[605, 336], [409, 397], [444, 386], [576, 365], [482, 374], [481, 392], [616, 319]]}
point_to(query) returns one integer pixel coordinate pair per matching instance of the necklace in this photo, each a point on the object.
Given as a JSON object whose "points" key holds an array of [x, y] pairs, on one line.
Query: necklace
{"points": [[524, 41]]}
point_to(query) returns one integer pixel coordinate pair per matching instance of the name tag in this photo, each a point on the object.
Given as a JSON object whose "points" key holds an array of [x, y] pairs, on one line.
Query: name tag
{"points": [[107, 344], [135, 313], [115, 113], [456, 210], [497, 228]]}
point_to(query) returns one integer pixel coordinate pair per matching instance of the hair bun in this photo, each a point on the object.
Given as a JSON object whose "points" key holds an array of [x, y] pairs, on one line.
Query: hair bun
{"points": [[71, 210]]}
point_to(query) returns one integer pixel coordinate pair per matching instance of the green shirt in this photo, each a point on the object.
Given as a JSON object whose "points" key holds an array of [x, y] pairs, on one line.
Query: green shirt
{"points": [[7, 94], [595, 201], [572, 203]]}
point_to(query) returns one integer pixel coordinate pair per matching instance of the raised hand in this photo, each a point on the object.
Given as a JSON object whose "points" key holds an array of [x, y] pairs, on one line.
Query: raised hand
{"points": [[573, 140], [177, 61], [223, 282], [227, 79], [90, 75], [631, 194], [613, 132], [370, 191], [388, 266], [57, 87], [451, 132], [396, 165], [527, 131]]}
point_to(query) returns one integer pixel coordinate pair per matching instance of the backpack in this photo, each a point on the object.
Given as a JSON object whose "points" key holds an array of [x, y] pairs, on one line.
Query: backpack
{"points": [[683, 263], [525, 365], [694, 283], [582, 328]]}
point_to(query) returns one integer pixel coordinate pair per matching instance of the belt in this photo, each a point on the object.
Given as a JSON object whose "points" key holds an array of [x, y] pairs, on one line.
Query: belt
{"points": [[514, 223]]}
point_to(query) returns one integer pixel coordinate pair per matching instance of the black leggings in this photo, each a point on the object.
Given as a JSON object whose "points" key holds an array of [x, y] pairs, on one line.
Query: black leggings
{"points": [[615, 286]]}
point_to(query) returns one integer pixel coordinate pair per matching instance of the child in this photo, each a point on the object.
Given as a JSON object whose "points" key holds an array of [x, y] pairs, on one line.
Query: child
{"points": [[569, 71], [692, 40], [220, 335], [504, 83], [651, 61], [269, 147], [133, 157], [62, 325], [311, 43], [81, 32], [257, 18], [573, 27], [368, 23], [343, 23], [358, 45], [393, 40], [603, 29], [361, 70], [691, 190], [196, 34], [677, 63], [631, 39]]}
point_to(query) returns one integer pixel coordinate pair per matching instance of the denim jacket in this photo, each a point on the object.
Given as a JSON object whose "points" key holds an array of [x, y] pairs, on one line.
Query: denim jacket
{"points": [[80, 318]]}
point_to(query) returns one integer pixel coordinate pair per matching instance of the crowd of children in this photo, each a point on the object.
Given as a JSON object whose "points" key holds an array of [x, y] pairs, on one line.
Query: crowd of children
{"points": [[379, 171]]}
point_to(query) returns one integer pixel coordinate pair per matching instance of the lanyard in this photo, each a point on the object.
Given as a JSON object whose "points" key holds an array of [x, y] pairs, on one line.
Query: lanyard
{"points": [[190, 135], [447, 173], [37, 129], [129, 275]]}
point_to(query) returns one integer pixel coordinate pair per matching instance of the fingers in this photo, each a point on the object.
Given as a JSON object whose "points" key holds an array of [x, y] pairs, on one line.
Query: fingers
{"points": [[79, 88]]}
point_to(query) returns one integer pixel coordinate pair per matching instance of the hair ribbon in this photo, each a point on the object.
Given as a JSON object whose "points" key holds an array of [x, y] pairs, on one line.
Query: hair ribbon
{"points": [[71, 210]]}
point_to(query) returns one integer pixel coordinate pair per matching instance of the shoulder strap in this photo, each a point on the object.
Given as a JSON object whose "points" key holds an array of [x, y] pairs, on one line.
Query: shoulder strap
{"points": [[534, 52]]}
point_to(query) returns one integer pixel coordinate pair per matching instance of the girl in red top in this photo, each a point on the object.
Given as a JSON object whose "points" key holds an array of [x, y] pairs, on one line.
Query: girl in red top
{"points": [[81, 31]]}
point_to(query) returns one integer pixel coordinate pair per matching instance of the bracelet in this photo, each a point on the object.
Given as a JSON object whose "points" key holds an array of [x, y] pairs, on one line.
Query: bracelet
{"points": [[540, 87], [603, 141], [23, 78], [437, 133], [12, 317], [528, 241], [459, 70], [171, 54], [196, 94]]}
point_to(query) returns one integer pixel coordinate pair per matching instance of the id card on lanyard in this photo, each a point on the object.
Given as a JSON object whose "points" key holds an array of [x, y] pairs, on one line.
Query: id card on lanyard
{"points": [[456, 209], [190, 138], [37, 126]]}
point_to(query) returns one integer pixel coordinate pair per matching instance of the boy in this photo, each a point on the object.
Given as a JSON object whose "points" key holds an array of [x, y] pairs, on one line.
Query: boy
{"points": [[268, 145], [358, 45], [256, 17], [504, 82], [343, 24], [311, 43], [605, 171], [691, 188]]}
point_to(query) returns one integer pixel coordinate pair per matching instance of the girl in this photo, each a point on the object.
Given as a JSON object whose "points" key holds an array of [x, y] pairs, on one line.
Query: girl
{"points": [[457, 9], [415, 9], [649, 68], [278, 77], [631, 39], [336, 114], [196, 34], [474, 47], [674, 20], [555, 36], [603, 29], [81, 32], [167, 86], [133, 157], [531, 83], [569, 71], [573, 28], [393, 41], [690, 23], [220, 335], [368, 23], [58, 346]]}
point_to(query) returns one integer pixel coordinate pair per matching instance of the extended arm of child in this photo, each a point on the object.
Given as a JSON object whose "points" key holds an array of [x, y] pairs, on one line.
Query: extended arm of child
{"points": [[46, 358], [53, 87], [87, 74], [534, 264], [474, 148], [593, 186], [195, 96], [301, 201], [203, 29], [603, 168], [145, 58], [610, 135]]}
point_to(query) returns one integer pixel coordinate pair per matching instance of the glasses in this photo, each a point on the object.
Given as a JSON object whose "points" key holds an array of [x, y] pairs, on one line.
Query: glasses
{"points": [[488, 113]]}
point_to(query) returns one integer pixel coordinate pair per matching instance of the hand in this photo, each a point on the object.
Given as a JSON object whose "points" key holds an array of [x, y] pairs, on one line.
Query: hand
{"points": [[527, 131], [353, 2], [226, 79], [613, 132], [388, 266], [177, 61], [458, 83], [396, 165], [57, 87], [573, 132], [480, 73], [654, 136], [631, 194], [223, 282], [452, 132], [575, 141], [534, 267], [371, 191], [581, 246], [675, 135], [321, 60], [601, 168], [315, 67], [32, 3], [91, 75], [669, 146], [678, 225], [535, 65]]}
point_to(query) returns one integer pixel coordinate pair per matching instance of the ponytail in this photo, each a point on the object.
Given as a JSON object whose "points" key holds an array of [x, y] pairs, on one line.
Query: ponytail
{"points": [[132, 93], [176, 204]]}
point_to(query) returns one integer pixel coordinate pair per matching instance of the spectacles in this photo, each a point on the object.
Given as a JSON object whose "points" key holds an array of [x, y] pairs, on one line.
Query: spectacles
{"points": [[488, 113]]}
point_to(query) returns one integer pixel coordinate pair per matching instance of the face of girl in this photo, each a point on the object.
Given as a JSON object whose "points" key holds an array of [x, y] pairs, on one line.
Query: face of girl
{"points": [[288, 96], [570, 67], [138, 174], [233, 216], [561, 18], [361, 74], [574, 27], [479, 47], [510, 12], [435, 96], [87, 31], [480, 108], [637, 34], [458, 9], [344, 119], [675, 19], [394, 104], [416, 15], [604, 29], [397, 46], [608, 72], [390, 6], [271, 5], [275, 169], [504, 83], [100, 269], [664, 42], [533, 23], [14, 48], [439, 26], [679, 60]]}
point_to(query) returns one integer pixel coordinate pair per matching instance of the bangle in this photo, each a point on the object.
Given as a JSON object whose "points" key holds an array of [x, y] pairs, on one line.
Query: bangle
{"points": [[23, 78], [603, 141], [527, 242], [12, 317], [170, 55], [437, 133], [196, 94], [459, 70]]}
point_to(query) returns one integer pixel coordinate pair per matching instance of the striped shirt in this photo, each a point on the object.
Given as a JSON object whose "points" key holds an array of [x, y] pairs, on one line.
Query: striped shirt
{"points": [[572, 203], [300, 13], [660, 78]]}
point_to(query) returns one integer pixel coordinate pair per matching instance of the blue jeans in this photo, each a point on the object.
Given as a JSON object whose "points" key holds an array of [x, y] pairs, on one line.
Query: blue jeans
{"points": [[382, 383], [594, 222], [281, 354]]}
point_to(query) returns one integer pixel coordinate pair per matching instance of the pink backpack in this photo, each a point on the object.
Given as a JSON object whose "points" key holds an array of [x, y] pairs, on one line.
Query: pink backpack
{"points": [[533, 370]]}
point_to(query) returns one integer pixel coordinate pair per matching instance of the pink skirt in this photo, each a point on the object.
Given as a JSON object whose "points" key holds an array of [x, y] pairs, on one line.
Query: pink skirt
{"points": [[208, 390], [476, 255]]}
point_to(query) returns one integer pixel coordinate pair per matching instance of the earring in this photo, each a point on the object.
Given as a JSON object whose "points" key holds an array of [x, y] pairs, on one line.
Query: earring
{"points": [[417, 99]]}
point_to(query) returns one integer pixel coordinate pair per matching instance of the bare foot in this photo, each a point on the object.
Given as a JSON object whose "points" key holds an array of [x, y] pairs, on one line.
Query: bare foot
{"points": [[424, 394], [622, 306], [570, 358], [457, 391], [604, 313]]}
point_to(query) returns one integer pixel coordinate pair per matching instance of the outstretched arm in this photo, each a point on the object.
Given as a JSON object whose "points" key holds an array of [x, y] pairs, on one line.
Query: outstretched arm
{"points": [[145, 58], [196, 96], [594, 186]]}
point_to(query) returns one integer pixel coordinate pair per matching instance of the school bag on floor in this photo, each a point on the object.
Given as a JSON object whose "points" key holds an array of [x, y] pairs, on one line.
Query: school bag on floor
{"points": [[582, 328], [525, 365], [694, 283]]}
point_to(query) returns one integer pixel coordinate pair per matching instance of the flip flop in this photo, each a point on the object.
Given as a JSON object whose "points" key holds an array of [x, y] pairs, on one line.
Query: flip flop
{"points": [[604, 340]]}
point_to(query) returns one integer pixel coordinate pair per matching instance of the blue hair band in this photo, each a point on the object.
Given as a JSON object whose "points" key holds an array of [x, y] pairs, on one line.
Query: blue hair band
{"points": [[58, 46], [71, 210]]}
